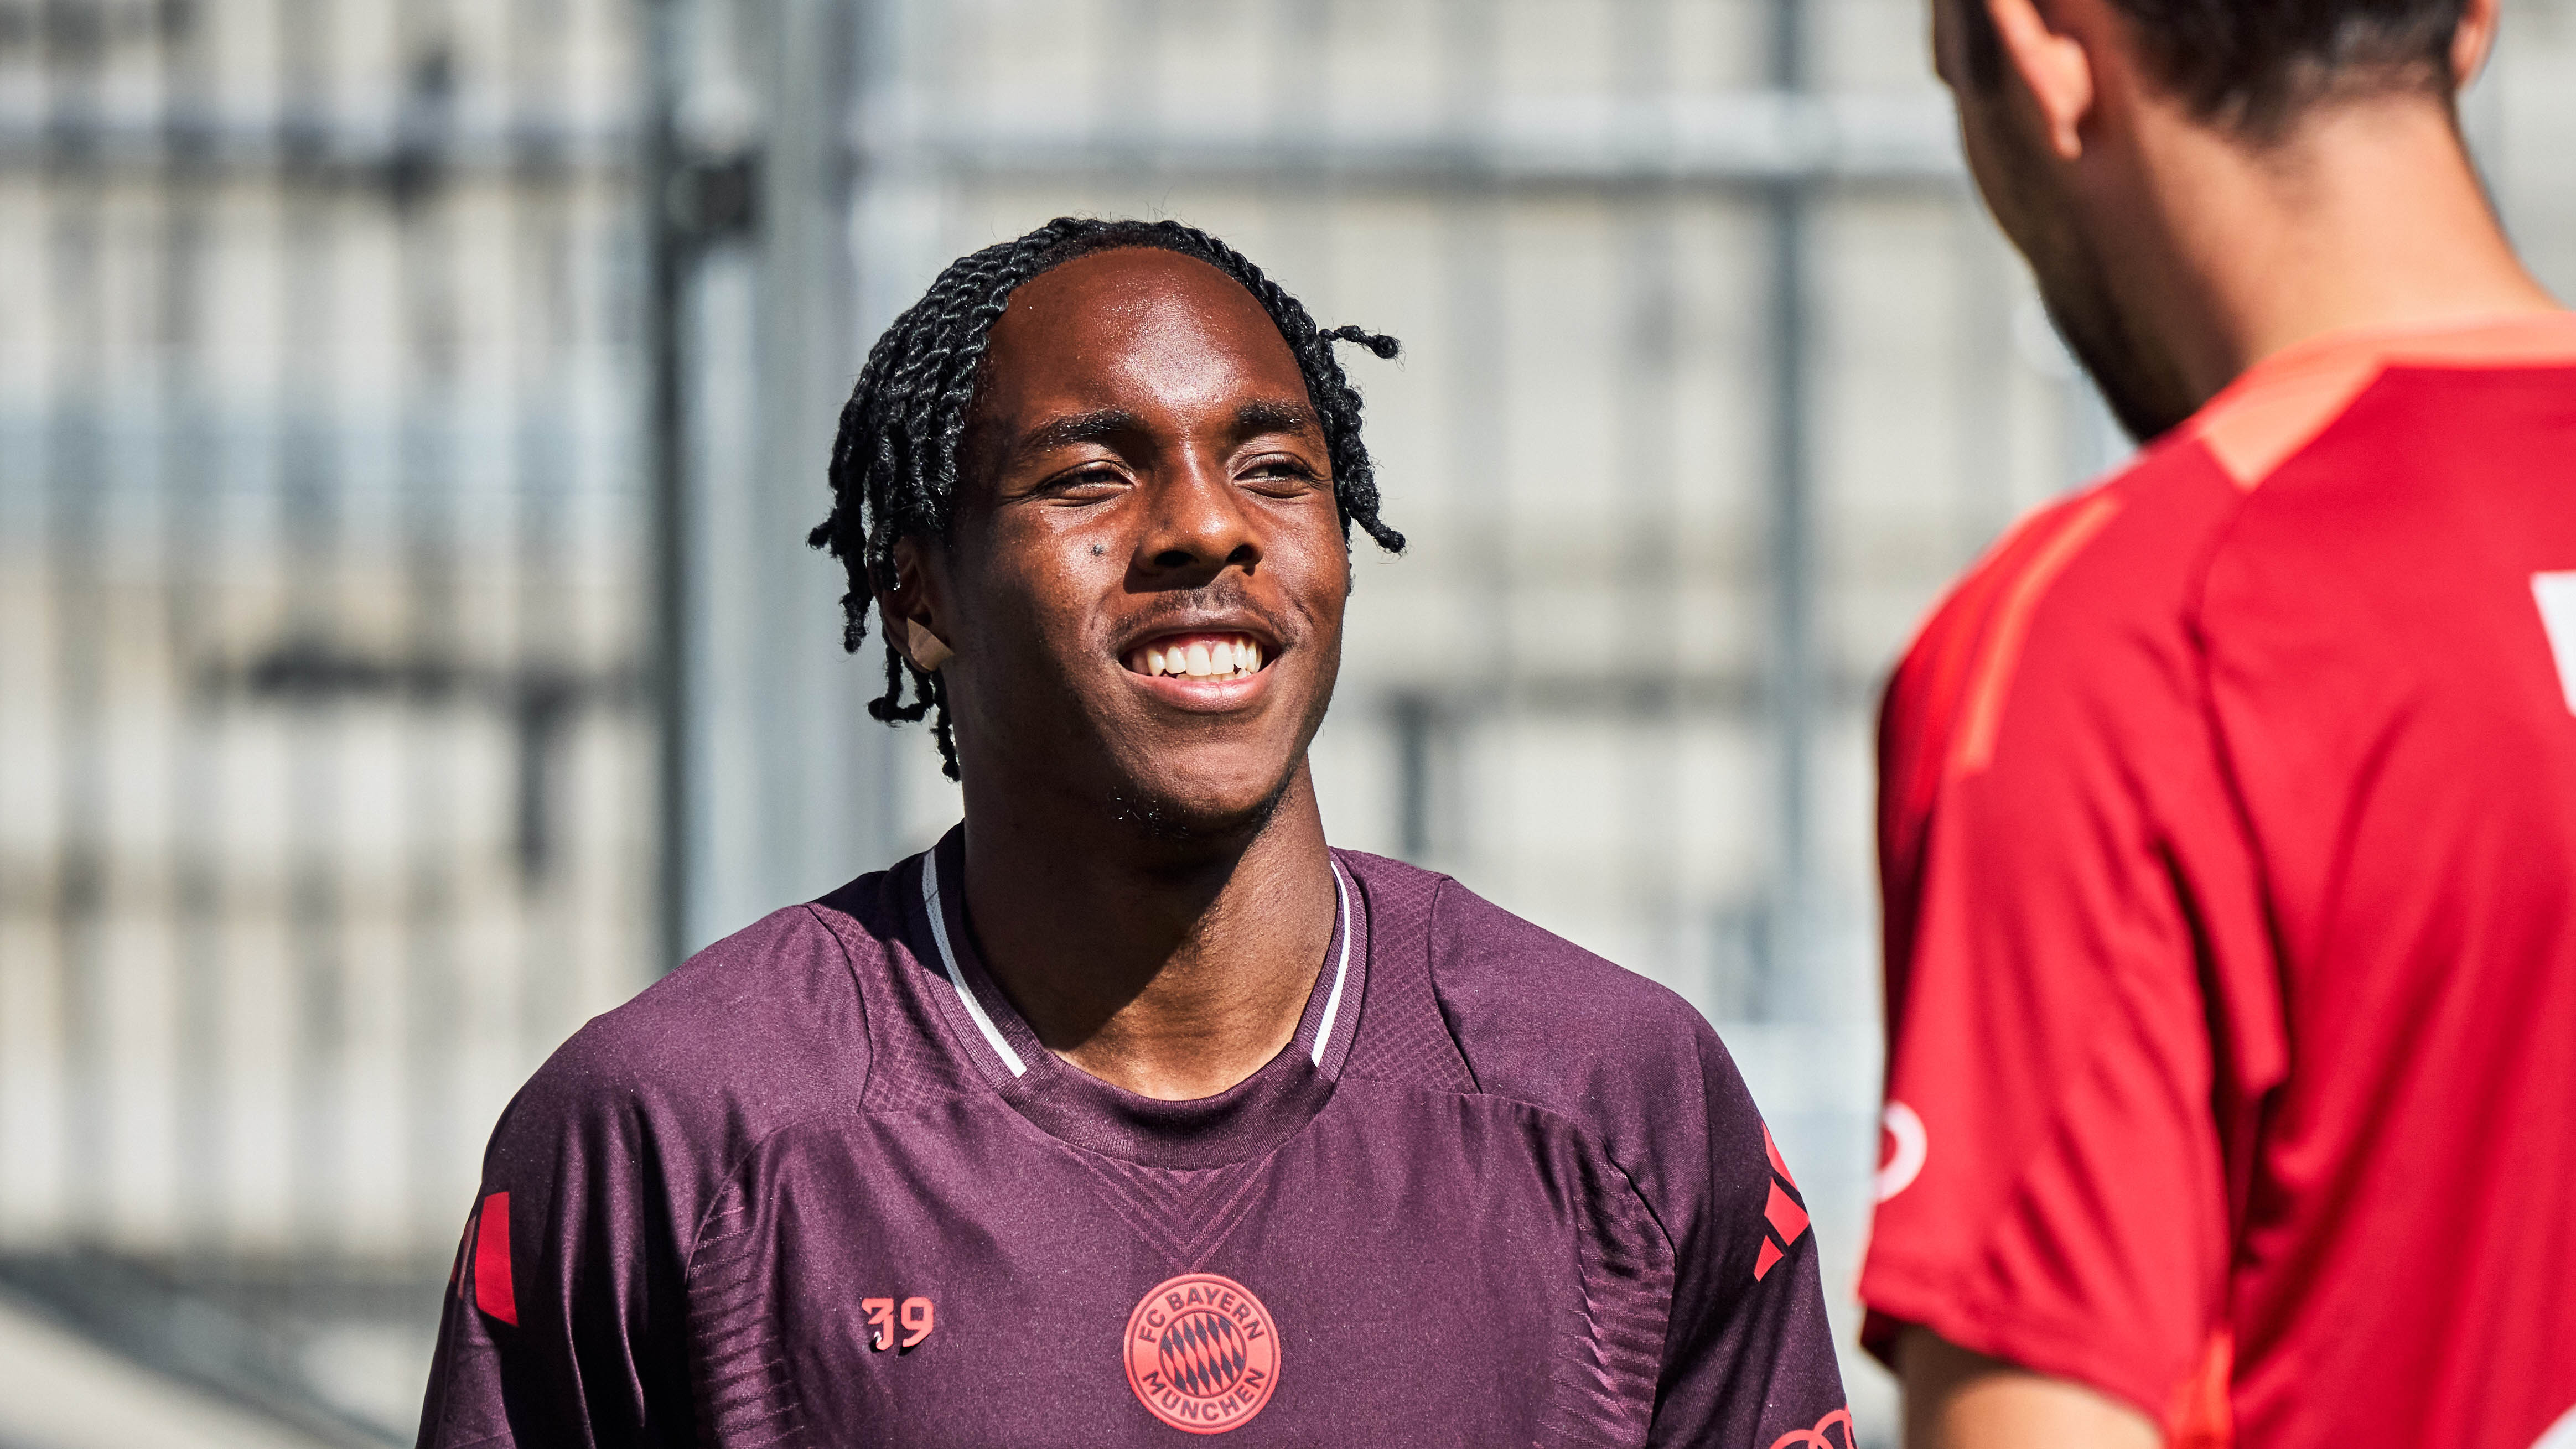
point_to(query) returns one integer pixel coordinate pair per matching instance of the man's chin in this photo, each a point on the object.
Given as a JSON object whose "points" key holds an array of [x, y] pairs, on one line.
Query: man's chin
{"points": [[1206, 818]]}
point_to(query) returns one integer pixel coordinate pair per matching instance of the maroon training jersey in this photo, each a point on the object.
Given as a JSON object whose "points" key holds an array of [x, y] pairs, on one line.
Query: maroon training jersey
{"points": [[2228, 835], [823, 1186]]}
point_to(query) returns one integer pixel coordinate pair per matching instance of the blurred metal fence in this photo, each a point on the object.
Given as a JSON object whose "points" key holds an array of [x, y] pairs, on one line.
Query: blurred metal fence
{"points": [[411, 412], [326, 787]]}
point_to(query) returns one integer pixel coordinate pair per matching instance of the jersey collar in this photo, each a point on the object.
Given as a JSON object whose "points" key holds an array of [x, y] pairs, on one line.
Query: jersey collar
{"points": [[1071, 1104], [2280, 404]]}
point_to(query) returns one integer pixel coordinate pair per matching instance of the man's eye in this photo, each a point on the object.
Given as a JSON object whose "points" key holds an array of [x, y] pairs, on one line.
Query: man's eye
{"points": [[1280, 473], [1088, 480]]}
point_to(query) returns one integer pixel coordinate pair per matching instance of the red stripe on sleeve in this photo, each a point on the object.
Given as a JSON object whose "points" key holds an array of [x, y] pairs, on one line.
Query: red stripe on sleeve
{"points": [[1778, 1165], [492, 1291], [1786, 1217], [1974, 747], [1766, 1260]]}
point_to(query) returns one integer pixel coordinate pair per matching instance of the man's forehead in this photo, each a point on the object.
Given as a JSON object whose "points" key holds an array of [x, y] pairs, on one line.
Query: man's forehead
{"points": [[1124, 278], [1140, 331]]}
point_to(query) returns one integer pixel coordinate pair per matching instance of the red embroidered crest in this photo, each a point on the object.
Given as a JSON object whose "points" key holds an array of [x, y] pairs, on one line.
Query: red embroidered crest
{"points": [[1201, 1353]]}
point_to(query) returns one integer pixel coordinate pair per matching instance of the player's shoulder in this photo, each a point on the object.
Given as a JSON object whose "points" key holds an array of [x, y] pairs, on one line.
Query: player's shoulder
{"points": [[2369, 399], [2124, 561], [1540, 1019], [758, 1030], [2084, 609], [2101, 559]]}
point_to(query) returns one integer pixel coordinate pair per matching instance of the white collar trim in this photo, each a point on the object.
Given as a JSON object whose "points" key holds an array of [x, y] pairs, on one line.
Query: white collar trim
{"points": [[1001, 1044]]}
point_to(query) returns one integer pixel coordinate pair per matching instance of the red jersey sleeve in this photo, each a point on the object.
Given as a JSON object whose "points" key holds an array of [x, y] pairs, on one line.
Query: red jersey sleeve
{"points": [[2075, 961]]}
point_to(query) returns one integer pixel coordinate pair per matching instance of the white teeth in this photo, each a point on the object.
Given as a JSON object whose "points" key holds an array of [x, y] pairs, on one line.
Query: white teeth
{"points": [[1233, 658]]}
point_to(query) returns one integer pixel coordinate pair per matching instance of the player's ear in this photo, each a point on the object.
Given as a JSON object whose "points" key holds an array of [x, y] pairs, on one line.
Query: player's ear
{"points": [[2471, 43], [2047, 59], [911, 613]]}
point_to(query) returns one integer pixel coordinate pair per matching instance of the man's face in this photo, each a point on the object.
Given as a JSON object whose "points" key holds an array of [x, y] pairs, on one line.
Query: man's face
{"points": [[1146, 578], [2030, 191]]}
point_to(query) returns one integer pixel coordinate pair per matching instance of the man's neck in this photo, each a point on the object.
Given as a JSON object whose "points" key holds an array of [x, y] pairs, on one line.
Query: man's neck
{"points": [[2368, 214], [1174, 970]]}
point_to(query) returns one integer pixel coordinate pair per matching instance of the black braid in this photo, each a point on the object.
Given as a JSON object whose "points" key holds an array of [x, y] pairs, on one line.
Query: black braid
{"points": [[894, 464]]}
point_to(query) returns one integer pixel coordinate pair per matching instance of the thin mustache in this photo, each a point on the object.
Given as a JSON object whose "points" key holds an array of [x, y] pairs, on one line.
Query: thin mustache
{"points": [[1199, 606]]}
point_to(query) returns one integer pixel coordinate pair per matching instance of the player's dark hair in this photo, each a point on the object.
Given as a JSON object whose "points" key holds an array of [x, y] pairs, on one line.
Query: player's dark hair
{"points": [[894, 465], [2254, 64]]}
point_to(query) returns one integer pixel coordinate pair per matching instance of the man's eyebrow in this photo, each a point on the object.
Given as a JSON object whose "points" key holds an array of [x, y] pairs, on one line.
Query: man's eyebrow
{"points": [[1270, 416], [1097, 426], [1262, 415]]}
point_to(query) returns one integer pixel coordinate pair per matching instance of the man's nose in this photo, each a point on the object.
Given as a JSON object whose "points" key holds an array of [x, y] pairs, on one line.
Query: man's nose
{"points": [[1197, 520]]}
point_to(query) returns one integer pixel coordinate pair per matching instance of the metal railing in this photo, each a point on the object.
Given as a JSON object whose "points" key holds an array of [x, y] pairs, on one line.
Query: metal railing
{"points": [[325, 734]]}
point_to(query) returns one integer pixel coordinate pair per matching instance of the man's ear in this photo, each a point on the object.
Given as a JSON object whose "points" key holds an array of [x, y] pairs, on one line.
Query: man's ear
{"points": [[2051, 63], [2471, 43], [911, 614]]}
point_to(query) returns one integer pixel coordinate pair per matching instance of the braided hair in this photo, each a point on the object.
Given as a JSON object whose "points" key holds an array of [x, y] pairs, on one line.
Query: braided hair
{"points": [[894, 464]]}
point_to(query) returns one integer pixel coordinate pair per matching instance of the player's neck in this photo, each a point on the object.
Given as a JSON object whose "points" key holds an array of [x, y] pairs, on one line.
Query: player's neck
{"points": [[1172, 970], [2368, 214]]}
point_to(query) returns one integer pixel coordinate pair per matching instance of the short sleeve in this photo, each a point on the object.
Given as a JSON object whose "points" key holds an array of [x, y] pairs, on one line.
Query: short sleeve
{"points": [[1699, 1281], [1749, 1355], [562, 1324], [2075, 969], [568, 1320]]}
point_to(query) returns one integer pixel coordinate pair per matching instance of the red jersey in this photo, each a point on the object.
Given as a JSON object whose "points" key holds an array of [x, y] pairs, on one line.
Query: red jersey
{"points": [[2228, 839]]}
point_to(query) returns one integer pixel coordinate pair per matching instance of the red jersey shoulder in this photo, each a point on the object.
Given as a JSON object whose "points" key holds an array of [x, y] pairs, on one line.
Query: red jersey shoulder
{"points": [[2098, 567], [2058, 605], [1965, 650]]}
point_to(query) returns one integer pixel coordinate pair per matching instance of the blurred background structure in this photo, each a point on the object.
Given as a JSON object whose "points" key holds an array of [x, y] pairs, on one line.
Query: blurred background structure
{"points": [[411, 412]]}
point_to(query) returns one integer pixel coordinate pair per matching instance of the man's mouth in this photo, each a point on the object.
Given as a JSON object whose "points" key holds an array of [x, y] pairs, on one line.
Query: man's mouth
{"points": [[1198, 656]]}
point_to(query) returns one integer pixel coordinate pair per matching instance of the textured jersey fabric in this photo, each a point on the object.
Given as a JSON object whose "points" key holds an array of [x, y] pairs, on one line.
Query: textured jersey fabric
{"points": [[823, 1186], [2228, 838]]}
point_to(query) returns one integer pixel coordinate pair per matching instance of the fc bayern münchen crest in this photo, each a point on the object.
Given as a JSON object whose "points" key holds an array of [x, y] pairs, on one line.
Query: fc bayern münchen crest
{"points": [[1202, 1353]]}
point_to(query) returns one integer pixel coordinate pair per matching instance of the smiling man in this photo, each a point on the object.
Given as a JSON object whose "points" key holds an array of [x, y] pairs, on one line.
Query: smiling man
{"points": [[1131, 1111]]}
